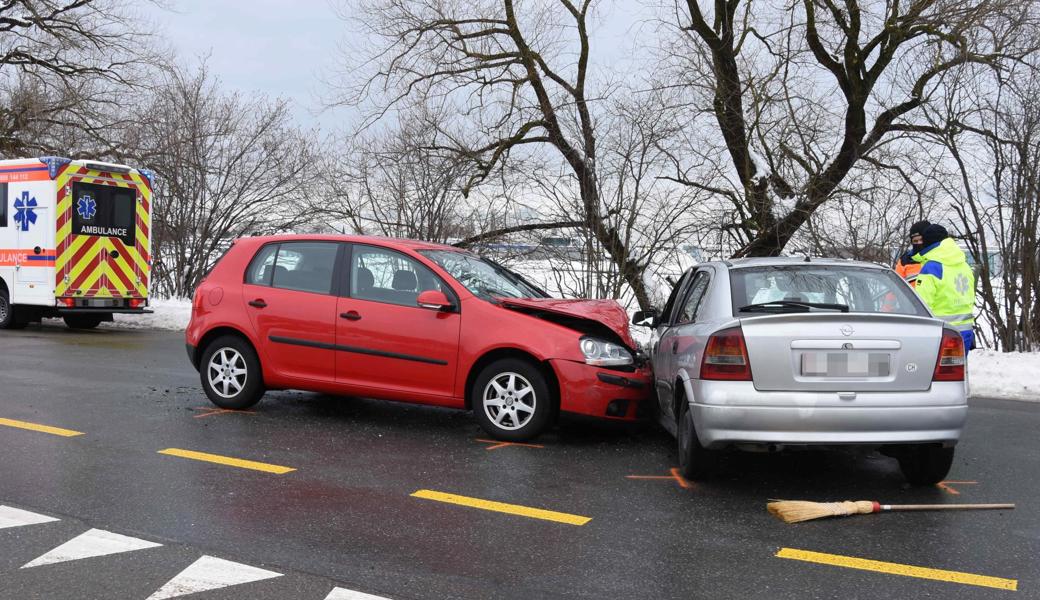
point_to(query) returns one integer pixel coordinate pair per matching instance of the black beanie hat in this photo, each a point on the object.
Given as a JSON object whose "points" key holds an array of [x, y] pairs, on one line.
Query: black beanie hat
{"points": [[934, 234], [919, 227]]}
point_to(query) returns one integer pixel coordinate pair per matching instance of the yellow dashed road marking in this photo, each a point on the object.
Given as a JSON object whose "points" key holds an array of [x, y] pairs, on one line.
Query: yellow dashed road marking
{"points": [[40, 428], [502, 507], [864, 564], [227, 460]]}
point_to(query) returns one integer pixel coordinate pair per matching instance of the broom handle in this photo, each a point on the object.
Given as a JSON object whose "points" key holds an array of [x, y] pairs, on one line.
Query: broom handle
{"points": [[944, 506]]}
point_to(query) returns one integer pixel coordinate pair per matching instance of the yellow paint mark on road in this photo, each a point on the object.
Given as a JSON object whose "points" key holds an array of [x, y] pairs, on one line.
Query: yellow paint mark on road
{"points": [[864, 564], [227, 460], [947, 486], [496, 444], [502, 507], [40, 428], [675, 476], [209, 411]]}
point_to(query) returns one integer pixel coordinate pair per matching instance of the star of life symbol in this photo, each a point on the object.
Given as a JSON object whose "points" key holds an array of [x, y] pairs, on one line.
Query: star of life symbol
{"points": [[86, 207], [25, 211], [961, 283]]}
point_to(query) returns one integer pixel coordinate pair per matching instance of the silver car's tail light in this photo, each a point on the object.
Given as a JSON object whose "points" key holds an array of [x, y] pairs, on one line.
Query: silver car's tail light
{"points": [[949, 366], [726, 356]]}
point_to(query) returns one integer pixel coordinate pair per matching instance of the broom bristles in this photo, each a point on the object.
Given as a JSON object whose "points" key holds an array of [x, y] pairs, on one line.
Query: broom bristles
{"points": [[796, 511]]}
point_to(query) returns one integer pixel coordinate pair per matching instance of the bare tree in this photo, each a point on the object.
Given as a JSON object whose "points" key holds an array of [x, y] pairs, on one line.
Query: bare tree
{"points": [[520, 73], [996, 148], [67, 68], [390, 182], [226, 166], [806, 96]]}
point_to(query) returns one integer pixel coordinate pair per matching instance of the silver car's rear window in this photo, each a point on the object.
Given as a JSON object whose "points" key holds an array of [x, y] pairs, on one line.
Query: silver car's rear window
{"points": [[862, 289]]}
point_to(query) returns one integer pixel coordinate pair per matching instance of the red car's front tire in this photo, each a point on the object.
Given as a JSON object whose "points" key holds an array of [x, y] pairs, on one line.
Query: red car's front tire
{"points": [[511, 400]]}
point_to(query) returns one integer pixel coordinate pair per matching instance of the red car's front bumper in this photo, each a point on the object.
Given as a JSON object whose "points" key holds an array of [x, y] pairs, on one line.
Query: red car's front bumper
{"points": [[600, 392]]}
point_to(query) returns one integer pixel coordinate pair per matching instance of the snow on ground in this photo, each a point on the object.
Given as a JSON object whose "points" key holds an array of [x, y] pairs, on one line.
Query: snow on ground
{"points": [[1014, 375], [171, 314]]}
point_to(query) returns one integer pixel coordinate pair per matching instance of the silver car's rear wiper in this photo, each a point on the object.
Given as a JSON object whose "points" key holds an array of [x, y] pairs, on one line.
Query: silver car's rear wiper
{"points": [[782, 305]]}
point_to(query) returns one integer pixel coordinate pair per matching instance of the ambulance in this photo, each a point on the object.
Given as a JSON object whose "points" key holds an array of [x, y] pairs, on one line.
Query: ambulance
{"points": [[74, 241]]}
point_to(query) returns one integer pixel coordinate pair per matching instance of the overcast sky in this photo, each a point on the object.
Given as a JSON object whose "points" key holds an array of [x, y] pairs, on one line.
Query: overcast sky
{"points": [[276, 47], [285, 47]]}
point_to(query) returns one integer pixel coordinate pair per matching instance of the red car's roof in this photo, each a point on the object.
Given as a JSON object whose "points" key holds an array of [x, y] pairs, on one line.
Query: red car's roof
{"points": [[369, 239]]}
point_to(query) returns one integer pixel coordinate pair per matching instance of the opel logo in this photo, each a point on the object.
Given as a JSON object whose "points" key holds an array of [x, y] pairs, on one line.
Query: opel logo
{"points": [[847, 330]]}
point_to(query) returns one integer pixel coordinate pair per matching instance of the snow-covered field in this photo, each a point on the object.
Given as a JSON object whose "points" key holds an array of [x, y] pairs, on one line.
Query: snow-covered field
{"points": [[992, 374]]}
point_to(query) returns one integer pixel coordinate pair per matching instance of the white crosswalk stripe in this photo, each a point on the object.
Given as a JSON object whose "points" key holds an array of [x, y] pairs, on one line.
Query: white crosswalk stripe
{"points": [[96, 542], [16, 517], [210, 573], [345, 594], [207, 573]]}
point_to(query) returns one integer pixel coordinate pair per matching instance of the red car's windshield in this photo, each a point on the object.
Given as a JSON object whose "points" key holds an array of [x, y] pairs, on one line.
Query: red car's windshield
{"points": [[482, 277]]}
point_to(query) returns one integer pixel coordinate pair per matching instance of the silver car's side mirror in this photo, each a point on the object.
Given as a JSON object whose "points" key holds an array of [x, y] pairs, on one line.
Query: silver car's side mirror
{"points": [[645, 318]]}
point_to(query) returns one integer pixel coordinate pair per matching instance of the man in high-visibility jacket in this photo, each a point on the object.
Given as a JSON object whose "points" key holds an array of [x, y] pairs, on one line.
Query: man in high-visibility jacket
{"points": [[906, 266], [946, 283]]}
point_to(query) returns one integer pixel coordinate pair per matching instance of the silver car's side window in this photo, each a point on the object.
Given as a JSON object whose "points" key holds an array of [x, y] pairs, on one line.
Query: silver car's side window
{"points": [[670, 307], [692, 301]]}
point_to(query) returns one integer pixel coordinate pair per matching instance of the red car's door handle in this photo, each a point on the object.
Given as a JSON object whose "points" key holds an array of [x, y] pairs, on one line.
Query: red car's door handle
{"points": [[258, 303], [352, 315]]}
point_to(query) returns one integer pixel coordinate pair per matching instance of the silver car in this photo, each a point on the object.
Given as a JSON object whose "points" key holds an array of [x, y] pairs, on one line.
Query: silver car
{"points": [[769, 353]]}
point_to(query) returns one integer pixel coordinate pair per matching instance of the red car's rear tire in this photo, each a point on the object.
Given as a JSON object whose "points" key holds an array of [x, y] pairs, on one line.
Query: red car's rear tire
{"points": [[230, 372], [511, 400]]}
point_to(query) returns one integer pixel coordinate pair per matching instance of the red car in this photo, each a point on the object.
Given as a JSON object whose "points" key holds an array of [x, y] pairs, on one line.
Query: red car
{"points": [[411, 321]]}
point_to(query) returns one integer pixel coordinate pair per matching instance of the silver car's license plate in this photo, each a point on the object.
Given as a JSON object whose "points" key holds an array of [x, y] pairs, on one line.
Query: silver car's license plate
{"points": [[845, 364]]}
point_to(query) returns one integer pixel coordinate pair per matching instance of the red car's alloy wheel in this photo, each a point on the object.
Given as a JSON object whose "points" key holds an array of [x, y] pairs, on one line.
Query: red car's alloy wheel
{"points": [[227, 372], [510, 401]]}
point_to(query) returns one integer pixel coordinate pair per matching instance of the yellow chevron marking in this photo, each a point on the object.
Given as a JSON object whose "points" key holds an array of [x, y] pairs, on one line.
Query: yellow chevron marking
{"points": [[88, 261]]}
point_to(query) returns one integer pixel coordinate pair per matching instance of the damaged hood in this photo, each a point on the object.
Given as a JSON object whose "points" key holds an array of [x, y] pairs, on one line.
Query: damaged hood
{"points": [[603, 317]]}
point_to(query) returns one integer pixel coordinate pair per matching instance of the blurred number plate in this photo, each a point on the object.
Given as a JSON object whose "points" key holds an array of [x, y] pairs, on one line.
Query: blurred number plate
{"points": [[845, 364]]}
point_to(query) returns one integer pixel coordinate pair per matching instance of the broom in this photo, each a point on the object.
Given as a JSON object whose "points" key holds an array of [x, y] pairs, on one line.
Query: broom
{"points": [[796, 511]]}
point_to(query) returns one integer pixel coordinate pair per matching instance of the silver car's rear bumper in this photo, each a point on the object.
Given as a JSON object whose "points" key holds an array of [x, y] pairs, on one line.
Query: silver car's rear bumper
{"points": [[728, 412]]}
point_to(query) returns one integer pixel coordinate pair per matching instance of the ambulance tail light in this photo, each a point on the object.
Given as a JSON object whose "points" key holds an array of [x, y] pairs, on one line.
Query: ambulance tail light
{"points": [[949, 366], [67, 302], [138, 302]]}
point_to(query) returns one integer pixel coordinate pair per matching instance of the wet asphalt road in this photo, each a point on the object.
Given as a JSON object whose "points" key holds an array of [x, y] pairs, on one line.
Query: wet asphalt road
{"points": [[345, 516]]}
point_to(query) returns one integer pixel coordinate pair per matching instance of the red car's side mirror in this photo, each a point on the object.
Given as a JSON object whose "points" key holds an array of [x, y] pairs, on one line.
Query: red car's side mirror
{"points": [[434, 300]]}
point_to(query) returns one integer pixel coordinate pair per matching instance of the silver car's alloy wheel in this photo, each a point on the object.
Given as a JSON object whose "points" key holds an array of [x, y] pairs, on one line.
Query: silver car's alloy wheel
{"points": [[227, 372], [509, 401]]}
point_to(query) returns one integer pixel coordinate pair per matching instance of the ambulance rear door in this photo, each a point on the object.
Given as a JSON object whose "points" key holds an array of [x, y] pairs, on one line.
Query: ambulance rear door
{"points": [[102, 250]]}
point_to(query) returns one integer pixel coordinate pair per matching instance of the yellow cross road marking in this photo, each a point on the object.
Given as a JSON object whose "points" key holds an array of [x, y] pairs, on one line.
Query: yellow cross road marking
{"points": [[227, 460], [40, 428], [898, 569], [502, 507]]}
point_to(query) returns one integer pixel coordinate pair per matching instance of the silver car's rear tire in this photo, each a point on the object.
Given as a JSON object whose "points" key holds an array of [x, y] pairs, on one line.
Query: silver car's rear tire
{"points": [[695, 461], [925, 464]]}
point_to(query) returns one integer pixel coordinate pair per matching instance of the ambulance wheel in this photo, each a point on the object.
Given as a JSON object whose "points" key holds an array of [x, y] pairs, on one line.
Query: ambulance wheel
{"points": [[231, 374], [8, 319], [82, 321]]}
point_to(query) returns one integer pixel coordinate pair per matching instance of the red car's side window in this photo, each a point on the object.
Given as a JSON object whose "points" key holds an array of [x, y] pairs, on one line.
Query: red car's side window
{"points": [[387, 276]]}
